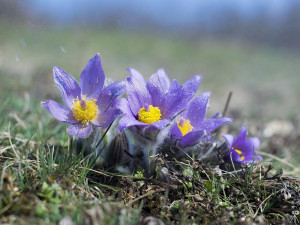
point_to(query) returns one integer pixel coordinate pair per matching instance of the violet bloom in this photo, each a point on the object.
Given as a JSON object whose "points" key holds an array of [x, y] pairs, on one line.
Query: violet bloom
{"points": [[242, 150], [152, 104], [191, 125], [87, 104]]}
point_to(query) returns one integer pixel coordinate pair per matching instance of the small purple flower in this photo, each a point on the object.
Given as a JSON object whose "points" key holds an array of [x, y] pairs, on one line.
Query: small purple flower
{"points": [[191, 125], [87, 104], [152, 104], [242, 150]]}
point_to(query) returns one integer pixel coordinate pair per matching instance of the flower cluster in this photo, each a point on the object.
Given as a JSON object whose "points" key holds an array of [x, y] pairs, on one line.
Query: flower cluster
{"points": [[155, 110], [192, 125], [152, 104]]}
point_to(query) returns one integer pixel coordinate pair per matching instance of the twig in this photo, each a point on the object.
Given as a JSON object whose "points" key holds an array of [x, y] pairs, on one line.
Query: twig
{"points": [[19, 121], [4, 149], [28, 160], [96, 171], [144, 195], [10, 142], [7, 207], [40, 139], [26, 103], [6, 135], [260, 205], [227, 103], [218, 130]]}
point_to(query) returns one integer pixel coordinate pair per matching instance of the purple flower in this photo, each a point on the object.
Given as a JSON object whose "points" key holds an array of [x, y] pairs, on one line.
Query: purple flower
{"points": [[242, 150], [191, 125], [152, 104], [87, 104]]}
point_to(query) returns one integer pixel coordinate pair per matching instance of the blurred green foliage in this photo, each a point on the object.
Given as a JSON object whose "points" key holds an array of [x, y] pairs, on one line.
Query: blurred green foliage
{"points": [[259, 76]]}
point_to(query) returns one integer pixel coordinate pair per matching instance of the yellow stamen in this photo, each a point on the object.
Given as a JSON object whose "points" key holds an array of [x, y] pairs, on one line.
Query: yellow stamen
{"points": [[151, 115], [240, 153], [84, 110], [184, 126]]}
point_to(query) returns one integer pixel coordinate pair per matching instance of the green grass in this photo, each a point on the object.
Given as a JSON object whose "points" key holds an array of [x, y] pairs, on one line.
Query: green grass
{"points": [[43, 179]]}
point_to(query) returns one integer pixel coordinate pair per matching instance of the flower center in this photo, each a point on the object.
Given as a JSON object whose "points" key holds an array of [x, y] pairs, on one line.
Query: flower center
{"points": [[84, 110], [149, 115], [240, 153], [184, 126]]}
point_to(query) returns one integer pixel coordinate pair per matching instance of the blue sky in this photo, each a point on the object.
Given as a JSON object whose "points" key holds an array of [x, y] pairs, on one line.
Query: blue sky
{"points": [[166, 12]]}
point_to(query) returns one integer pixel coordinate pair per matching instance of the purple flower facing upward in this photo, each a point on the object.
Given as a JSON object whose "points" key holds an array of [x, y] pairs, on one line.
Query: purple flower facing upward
{"points": [[242, 150], [191, 125], [87, 104], [152, 104]]}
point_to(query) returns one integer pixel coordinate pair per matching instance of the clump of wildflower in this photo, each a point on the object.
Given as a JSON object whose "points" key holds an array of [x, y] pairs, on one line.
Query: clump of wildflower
{"points": [[152, 104], [242, 150], [88, 103], [148, 111]]}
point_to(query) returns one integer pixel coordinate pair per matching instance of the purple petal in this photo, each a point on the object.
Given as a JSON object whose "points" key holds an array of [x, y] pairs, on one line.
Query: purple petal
{"points": [[137, 95], [59, 112], [211, 124], [163, 79], [229, 138], [128, 121], [241, 138], [175, 131], [248, 150], [235, 157], [192, 138], [197, 109], [109, 94], [105, 118], [174, 87], [92, 78], [193, 83], [175, 100], [123, 105], [136, 75], [216, 115], [67, 85], [255, 142], [161, 124], [251, 160], [156, 90], [80, 130]]}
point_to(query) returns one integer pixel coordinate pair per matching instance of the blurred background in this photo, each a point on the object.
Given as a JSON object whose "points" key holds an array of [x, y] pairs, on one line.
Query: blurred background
{"points": [[250, 47]]}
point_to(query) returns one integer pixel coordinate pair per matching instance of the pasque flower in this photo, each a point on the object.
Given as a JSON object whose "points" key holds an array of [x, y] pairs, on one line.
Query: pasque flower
{"points": [[242, 150], [152, 104], [191, 125], [88, 103]]}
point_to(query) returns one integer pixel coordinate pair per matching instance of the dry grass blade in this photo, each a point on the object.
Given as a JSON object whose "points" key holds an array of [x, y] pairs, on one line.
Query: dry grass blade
{"points": [[145, 195], [11, 144]]}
